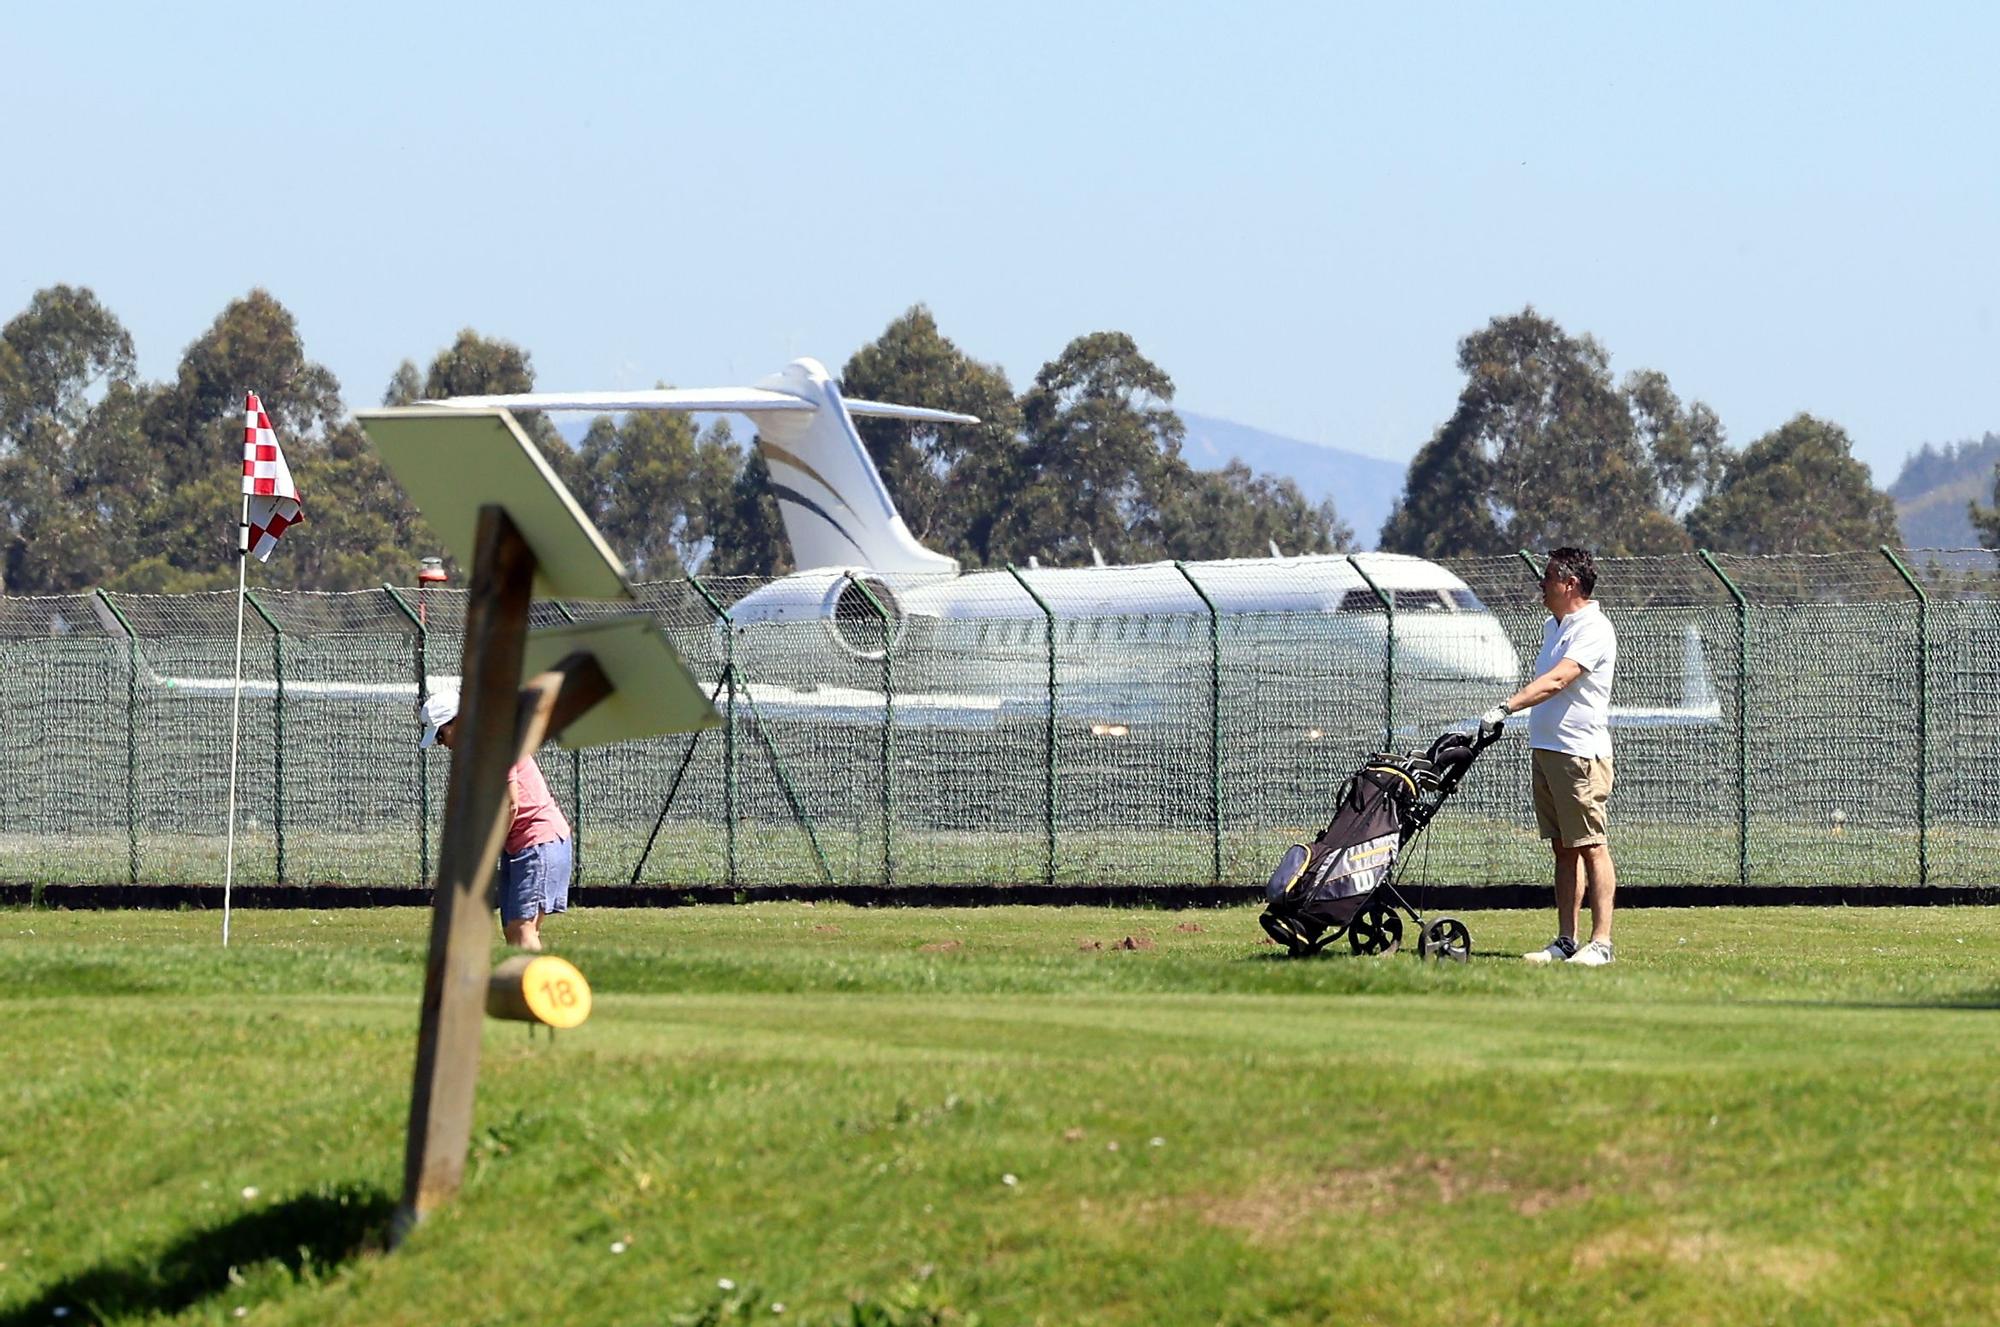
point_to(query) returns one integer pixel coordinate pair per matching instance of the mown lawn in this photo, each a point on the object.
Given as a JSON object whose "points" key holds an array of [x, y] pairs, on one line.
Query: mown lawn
{"points": [[903, 1116]]}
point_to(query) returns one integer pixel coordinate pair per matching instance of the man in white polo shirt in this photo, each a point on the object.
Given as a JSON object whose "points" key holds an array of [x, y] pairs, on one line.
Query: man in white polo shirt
{"points": [[1569, 734]]}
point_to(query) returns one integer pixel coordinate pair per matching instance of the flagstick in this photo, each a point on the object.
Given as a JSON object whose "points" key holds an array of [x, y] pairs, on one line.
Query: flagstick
{"points": [[235, 713]]}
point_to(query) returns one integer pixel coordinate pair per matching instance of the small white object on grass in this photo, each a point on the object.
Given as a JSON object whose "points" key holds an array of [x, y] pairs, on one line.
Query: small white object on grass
{"points": [[1009, 1180], [724, 1283], [249, 1192]]}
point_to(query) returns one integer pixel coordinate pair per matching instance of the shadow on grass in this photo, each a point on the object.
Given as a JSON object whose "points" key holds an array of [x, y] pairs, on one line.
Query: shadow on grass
{"points": [[1962, 1002], [1344, 954], [308, 1236]]}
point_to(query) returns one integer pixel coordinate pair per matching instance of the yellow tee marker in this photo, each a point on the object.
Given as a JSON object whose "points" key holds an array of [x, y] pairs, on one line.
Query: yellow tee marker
{"points": [[538, 988]]}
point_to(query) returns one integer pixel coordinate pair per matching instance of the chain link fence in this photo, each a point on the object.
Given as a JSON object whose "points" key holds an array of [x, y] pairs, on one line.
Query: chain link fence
{"points": [[1779, 721]]}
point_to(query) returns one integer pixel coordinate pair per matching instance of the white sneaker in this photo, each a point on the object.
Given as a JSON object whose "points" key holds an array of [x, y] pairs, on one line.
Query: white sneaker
{"points": [[1560, 950], [1593, 955]]}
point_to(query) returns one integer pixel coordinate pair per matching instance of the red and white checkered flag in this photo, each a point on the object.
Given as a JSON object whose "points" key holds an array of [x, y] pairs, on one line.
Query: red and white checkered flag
{"points": [[267, 481]]}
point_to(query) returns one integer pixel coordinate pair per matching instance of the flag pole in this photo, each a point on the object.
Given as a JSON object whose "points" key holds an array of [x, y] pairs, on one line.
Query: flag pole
{"points": [[235, 713]]}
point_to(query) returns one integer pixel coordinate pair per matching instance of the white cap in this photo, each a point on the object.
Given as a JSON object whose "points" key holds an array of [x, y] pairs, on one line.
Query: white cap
{"points": [[439, 710]]}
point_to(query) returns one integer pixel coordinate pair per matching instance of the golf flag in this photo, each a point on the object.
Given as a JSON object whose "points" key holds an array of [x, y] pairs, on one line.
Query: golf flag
{"points": [[271, 500]]}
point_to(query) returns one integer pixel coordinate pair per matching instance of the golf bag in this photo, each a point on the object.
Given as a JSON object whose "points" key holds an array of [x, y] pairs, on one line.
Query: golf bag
{"points": [[1329, 886]]}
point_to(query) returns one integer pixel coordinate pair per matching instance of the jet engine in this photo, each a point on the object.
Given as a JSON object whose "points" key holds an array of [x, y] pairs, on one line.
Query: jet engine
{"points": [[855, 622]]}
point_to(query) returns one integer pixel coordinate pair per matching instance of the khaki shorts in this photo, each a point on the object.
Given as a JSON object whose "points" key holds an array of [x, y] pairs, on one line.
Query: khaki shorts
{"points": [[1570, 797]]}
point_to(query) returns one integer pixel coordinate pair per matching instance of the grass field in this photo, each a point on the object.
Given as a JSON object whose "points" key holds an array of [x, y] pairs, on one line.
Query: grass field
{"points": [[1006, 1115]]}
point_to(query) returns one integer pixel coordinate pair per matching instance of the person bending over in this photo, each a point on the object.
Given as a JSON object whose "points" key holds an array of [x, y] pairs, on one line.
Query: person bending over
{"points": [[535, 859]]}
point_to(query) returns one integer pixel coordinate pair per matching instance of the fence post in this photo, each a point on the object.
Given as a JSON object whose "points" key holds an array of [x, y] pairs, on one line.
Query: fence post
{"points": [[1923, 715], [1388, 603], [1049, 752], [888, 732], [728, 729], [423, 753], [729, 746], [1742, 715], [1214, 723], [131, 737], [575, 789], [277, 729]]}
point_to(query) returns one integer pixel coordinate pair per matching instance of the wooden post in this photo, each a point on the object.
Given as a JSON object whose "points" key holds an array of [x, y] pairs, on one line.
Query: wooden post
{"points": [[499, 723], [461, 950]]}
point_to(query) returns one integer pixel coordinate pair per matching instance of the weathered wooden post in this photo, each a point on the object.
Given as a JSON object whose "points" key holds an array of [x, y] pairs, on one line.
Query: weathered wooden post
{"points": [[488, 494]]}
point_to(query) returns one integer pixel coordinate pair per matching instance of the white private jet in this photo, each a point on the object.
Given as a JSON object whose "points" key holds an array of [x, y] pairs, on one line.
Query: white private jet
{"points": [[853, 552], [1131, 642]]}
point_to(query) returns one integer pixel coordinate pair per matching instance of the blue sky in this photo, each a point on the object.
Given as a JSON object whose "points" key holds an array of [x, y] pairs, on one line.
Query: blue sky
{"points": [[1296, 210]]}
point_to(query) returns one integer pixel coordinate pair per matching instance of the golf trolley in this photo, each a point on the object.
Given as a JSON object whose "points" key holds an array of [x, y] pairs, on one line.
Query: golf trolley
{"points": [[1343, 882]]}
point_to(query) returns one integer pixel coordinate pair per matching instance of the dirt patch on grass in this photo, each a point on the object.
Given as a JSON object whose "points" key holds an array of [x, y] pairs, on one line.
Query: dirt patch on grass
{"points": [[1129, 943], [942, 947], [1537, 1201], [1791, 1266], [1190, 928], [826, 929], [1274, 1213]]}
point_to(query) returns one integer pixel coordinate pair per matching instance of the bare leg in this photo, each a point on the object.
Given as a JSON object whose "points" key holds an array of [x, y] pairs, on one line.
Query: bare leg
{"points": [[1569, 888], [1603, 888], [525, 934]]}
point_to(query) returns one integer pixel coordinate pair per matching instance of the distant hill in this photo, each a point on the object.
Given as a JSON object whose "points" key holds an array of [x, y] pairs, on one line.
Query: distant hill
{"points": [[1935, 487], [1363, 488]]}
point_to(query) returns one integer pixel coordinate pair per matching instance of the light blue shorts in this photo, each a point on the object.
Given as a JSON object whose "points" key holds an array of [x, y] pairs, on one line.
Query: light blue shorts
{"points": [[534, 881]]}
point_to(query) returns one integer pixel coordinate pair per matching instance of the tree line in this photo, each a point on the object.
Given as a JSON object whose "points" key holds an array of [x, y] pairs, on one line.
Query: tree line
{"points": [[1544, 448], [108, 480]]}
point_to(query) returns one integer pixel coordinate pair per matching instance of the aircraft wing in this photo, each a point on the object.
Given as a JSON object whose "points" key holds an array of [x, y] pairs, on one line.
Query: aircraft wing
{"points": [[888, 411], [745, 400], [1665, 716]]}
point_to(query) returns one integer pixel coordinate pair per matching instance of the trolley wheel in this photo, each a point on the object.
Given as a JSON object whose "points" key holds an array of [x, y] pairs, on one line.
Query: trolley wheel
{"points": [[1376, 929], [1447, 940]]}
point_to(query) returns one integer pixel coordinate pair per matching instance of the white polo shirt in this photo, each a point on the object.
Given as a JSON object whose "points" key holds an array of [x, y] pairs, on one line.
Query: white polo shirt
{"points": [[1577, 719]]}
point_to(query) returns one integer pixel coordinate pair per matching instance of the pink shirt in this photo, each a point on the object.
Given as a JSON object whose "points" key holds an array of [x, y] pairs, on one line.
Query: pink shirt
{"points": [[537, 818]]}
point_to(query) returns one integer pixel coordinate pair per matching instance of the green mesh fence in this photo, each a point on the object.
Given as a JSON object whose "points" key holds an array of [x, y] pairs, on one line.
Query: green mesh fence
{"points": [[1787, 721]]}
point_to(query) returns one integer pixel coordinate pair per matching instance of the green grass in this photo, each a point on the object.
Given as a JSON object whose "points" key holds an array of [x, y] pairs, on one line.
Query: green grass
{"points": [[1788, 1115]]}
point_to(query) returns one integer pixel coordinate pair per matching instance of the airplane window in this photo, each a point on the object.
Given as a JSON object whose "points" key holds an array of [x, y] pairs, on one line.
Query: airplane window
{"points": [[1360, 601], [1420, 601], [1466, 601]]}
